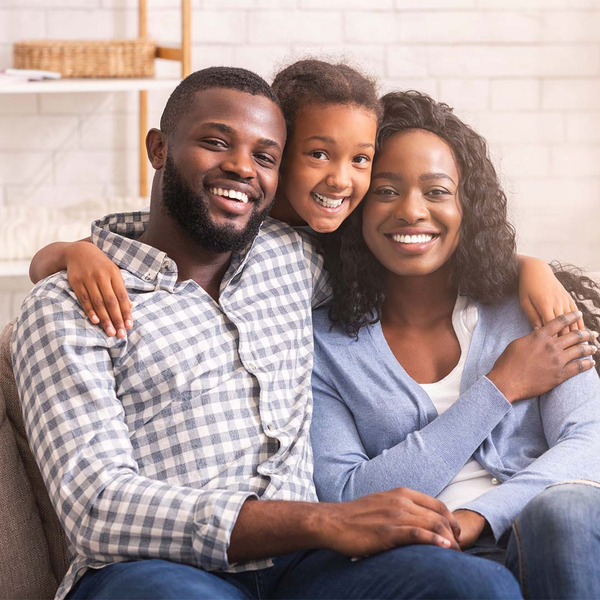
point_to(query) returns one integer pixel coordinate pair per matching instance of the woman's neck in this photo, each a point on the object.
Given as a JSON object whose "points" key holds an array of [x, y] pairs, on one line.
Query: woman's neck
{"points": [[419, 301]]}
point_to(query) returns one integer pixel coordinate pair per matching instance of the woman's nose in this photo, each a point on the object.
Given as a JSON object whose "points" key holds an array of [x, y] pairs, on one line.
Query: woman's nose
{"points": [[411, 207]]}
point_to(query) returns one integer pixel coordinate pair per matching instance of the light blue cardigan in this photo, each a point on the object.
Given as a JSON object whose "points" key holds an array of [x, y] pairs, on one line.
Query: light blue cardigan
{"points": [[374, 428]]}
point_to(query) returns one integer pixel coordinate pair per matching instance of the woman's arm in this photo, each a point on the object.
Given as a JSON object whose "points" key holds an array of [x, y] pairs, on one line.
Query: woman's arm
{"points": [[95, 279], [571, 421], [541, 294], [428, 458]]}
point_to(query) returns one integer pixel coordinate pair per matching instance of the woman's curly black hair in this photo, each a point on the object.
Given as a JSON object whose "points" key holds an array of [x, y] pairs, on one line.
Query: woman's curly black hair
{"points": [[485, 263]]}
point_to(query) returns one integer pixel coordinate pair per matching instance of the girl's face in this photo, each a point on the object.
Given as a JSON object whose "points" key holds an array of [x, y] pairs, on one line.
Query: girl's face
{"points": [[412, 213], [326, 168]]}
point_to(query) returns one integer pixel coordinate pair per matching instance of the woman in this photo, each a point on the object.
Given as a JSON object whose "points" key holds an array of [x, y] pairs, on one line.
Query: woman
{"points": [[426, 374]]}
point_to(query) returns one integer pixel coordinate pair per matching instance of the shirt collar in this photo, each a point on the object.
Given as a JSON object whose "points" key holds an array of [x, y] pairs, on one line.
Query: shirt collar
{"points": [[116, 235]]}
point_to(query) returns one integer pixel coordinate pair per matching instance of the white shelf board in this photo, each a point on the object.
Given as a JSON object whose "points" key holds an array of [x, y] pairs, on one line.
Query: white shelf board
{"points": [[14, 268], [87, 85]]}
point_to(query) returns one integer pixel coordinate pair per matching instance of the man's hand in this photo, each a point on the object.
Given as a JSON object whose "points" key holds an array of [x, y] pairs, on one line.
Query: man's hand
{"points": [[382, 521], [366, 526], [471, 524]]}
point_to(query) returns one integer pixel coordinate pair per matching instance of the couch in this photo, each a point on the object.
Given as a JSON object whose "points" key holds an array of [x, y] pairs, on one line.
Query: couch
{"points": [[34, 554]]}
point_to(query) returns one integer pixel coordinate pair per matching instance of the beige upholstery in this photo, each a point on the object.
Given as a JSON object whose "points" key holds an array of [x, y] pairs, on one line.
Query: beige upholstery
{"points": [[33, 554]]}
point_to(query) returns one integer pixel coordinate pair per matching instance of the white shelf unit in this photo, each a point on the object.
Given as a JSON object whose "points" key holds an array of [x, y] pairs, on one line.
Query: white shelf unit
{"points": [[20, 268]]}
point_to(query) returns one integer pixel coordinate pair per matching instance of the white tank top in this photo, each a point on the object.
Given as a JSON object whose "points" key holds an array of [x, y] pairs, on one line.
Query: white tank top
{"points": [[472, 480]]}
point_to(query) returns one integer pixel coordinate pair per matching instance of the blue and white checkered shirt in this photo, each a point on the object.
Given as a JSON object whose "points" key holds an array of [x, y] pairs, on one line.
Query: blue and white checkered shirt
{"points": [[150, 445]]}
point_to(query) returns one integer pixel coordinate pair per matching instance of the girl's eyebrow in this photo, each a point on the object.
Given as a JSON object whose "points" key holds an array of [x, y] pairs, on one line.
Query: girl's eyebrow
{"points": [[330, 140]]}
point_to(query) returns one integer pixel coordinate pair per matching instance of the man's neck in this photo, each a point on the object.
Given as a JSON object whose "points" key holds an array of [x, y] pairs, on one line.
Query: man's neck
{"points": [[206, 268]]}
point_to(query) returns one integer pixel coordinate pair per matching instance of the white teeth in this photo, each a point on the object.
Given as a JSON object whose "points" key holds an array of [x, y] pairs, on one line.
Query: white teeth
{"points": [[327, 202], [230, 194], [412, 239]]}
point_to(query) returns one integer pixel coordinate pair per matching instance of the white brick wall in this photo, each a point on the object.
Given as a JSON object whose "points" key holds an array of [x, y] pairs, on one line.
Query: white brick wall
{"points": [[526, 73]]}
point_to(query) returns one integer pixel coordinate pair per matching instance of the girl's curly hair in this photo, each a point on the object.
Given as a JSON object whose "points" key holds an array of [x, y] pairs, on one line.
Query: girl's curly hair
{"points": [[485, 263], [313, 81]]}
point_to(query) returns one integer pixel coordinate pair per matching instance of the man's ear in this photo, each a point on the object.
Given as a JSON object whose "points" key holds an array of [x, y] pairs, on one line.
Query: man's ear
{"points": [[156, 148]]}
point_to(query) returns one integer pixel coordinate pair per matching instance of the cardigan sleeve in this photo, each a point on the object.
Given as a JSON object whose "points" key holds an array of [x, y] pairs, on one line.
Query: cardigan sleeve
{"points": [[571, 420], [426, 460]]}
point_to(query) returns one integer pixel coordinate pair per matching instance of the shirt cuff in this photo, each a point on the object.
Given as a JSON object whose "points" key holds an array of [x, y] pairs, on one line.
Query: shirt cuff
{"points": [[216, 516]]}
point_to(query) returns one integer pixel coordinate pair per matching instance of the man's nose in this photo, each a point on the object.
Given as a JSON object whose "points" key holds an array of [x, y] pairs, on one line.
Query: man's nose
{"points": [[241, 163]]}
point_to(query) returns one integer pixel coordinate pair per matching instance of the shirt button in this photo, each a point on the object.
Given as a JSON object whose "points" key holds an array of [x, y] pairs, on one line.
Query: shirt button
{"points": [[252, 366], [270, 427], [148, 277], [495, 481]]}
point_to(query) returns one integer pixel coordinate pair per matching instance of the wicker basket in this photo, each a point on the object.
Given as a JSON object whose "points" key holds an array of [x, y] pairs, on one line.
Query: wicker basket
{"points": [[75, 58]]}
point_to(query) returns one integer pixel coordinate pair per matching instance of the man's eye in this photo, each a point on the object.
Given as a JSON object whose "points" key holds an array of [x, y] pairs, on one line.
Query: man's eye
{"points": [[266, 158], [318, 154], [217, 143]]}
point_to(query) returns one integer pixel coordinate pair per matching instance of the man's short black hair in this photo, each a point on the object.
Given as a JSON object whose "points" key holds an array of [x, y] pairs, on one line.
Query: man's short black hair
{"points": [[232, 78]]}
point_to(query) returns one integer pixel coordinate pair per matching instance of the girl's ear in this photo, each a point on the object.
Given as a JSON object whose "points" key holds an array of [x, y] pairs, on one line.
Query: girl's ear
{"points": [[156, 148]]}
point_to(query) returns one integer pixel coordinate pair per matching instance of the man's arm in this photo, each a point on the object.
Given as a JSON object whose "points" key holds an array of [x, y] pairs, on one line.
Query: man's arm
{"points": [[76, 427], [321, 290]]}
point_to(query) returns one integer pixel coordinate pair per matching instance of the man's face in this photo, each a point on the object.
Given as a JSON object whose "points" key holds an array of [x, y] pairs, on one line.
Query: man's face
{"points": [[221, 170]]}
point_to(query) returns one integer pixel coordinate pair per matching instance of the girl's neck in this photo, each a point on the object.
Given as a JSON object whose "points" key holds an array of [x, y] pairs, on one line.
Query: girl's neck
{"points": [[284, 211], [419, 301]]}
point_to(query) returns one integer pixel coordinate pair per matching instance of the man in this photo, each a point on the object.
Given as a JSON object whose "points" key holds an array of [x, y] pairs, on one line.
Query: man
{"points": [[157, 446]]}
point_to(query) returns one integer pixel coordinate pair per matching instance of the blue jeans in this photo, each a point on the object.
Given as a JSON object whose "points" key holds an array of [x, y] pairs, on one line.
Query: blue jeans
{"points": [[554, 548], [405, 572]]}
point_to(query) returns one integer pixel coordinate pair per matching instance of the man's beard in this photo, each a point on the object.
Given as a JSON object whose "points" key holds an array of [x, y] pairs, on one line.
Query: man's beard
{"points": [[190, 211]]}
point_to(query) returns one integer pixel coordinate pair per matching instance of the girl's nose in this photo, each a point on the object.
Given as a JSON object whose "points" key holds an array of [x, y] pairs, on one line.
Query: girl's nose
{"points": [[339, 179]]}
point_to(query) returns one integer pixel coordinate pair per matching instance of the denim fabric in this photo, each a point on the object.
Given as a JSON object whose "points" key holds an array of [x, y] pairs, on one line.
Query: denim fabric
{"points": [[406, 572], [554, 549]]}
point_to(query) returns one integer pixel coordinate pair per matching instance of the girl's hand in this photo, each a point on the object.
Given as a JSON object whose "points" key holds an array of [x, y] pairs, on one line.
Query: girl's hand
{"points": [[542, 296], [99, 287], [536, 363]]}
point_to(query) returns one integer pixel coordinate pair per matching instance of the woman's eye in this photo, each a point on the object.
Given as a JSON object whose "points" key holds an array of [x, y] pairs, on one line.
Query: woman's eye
{"points": [[438, 192], [361, 159], [385, 192], [319, 155]]}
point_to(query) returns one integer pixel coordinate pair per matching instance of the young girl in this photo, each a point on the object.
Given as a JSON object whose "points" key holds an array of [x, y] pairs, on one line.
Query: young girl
{"points": [[426, 370], [331, 111]]}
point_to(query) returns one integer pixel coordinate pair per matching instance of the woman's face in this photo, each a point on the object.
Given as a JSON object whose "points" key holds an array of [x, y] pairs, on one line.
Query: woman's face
{"points": [[326, 168], [412, 213]]}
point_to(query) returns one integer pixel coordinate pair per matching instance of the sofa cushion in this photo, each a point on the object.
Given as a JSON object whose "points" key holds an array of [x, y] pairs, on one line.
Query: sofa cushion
{"points": [[33, 553]]}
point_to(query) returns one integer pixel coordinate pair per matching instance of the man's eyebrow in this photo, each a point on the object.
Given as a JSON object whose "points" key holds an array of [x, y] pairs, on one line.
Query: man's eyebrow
{"points": [[220, 126], [269, 143]]}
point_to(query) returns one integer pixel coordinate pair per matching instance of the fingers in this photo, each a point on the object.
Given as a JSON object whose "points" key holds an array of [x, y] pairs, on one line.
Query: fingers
{"points": [[559, 323], [579, 351], [406, 535], [100, 309], [84, 299], [578, 336], [578, 366], [534, 318], [436, 506]]}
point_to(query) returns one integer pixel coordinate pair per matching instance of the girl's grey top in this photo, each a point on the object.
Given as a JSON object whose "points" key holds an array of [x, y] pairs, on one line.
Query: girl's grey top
{"points": [[374, 428]]}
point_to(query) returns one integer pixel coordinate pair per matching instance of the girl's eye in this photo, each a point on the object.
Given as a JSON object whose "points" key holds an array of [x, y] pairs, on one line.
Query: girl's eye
{"points": [[318, 154], [361, 159]]}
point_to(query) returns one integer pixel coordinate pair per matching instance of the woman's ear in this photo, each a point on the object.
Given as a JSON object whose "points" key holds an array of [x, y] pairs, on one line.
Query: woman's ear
{"points": [[156, 148]]}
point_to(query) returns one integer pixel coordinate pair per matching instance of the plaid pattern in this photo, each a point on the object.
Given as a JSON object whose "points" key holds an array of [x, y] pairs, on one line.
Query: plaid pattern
{"points": [[150, 445]]}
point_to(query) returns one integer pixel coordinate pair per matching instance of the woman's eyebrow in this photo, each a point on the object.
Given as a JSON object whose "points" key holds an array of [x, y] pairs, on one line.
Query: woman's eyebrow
{"points": [[387, 175], [429, 176]]}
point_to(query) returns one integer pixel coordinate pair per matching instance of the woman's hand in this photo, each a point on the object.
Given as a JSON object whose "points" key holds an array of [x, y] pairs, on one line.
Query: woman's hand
{"points": [[99, 287], [538, 362], [471, 524], [542, 296]]}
